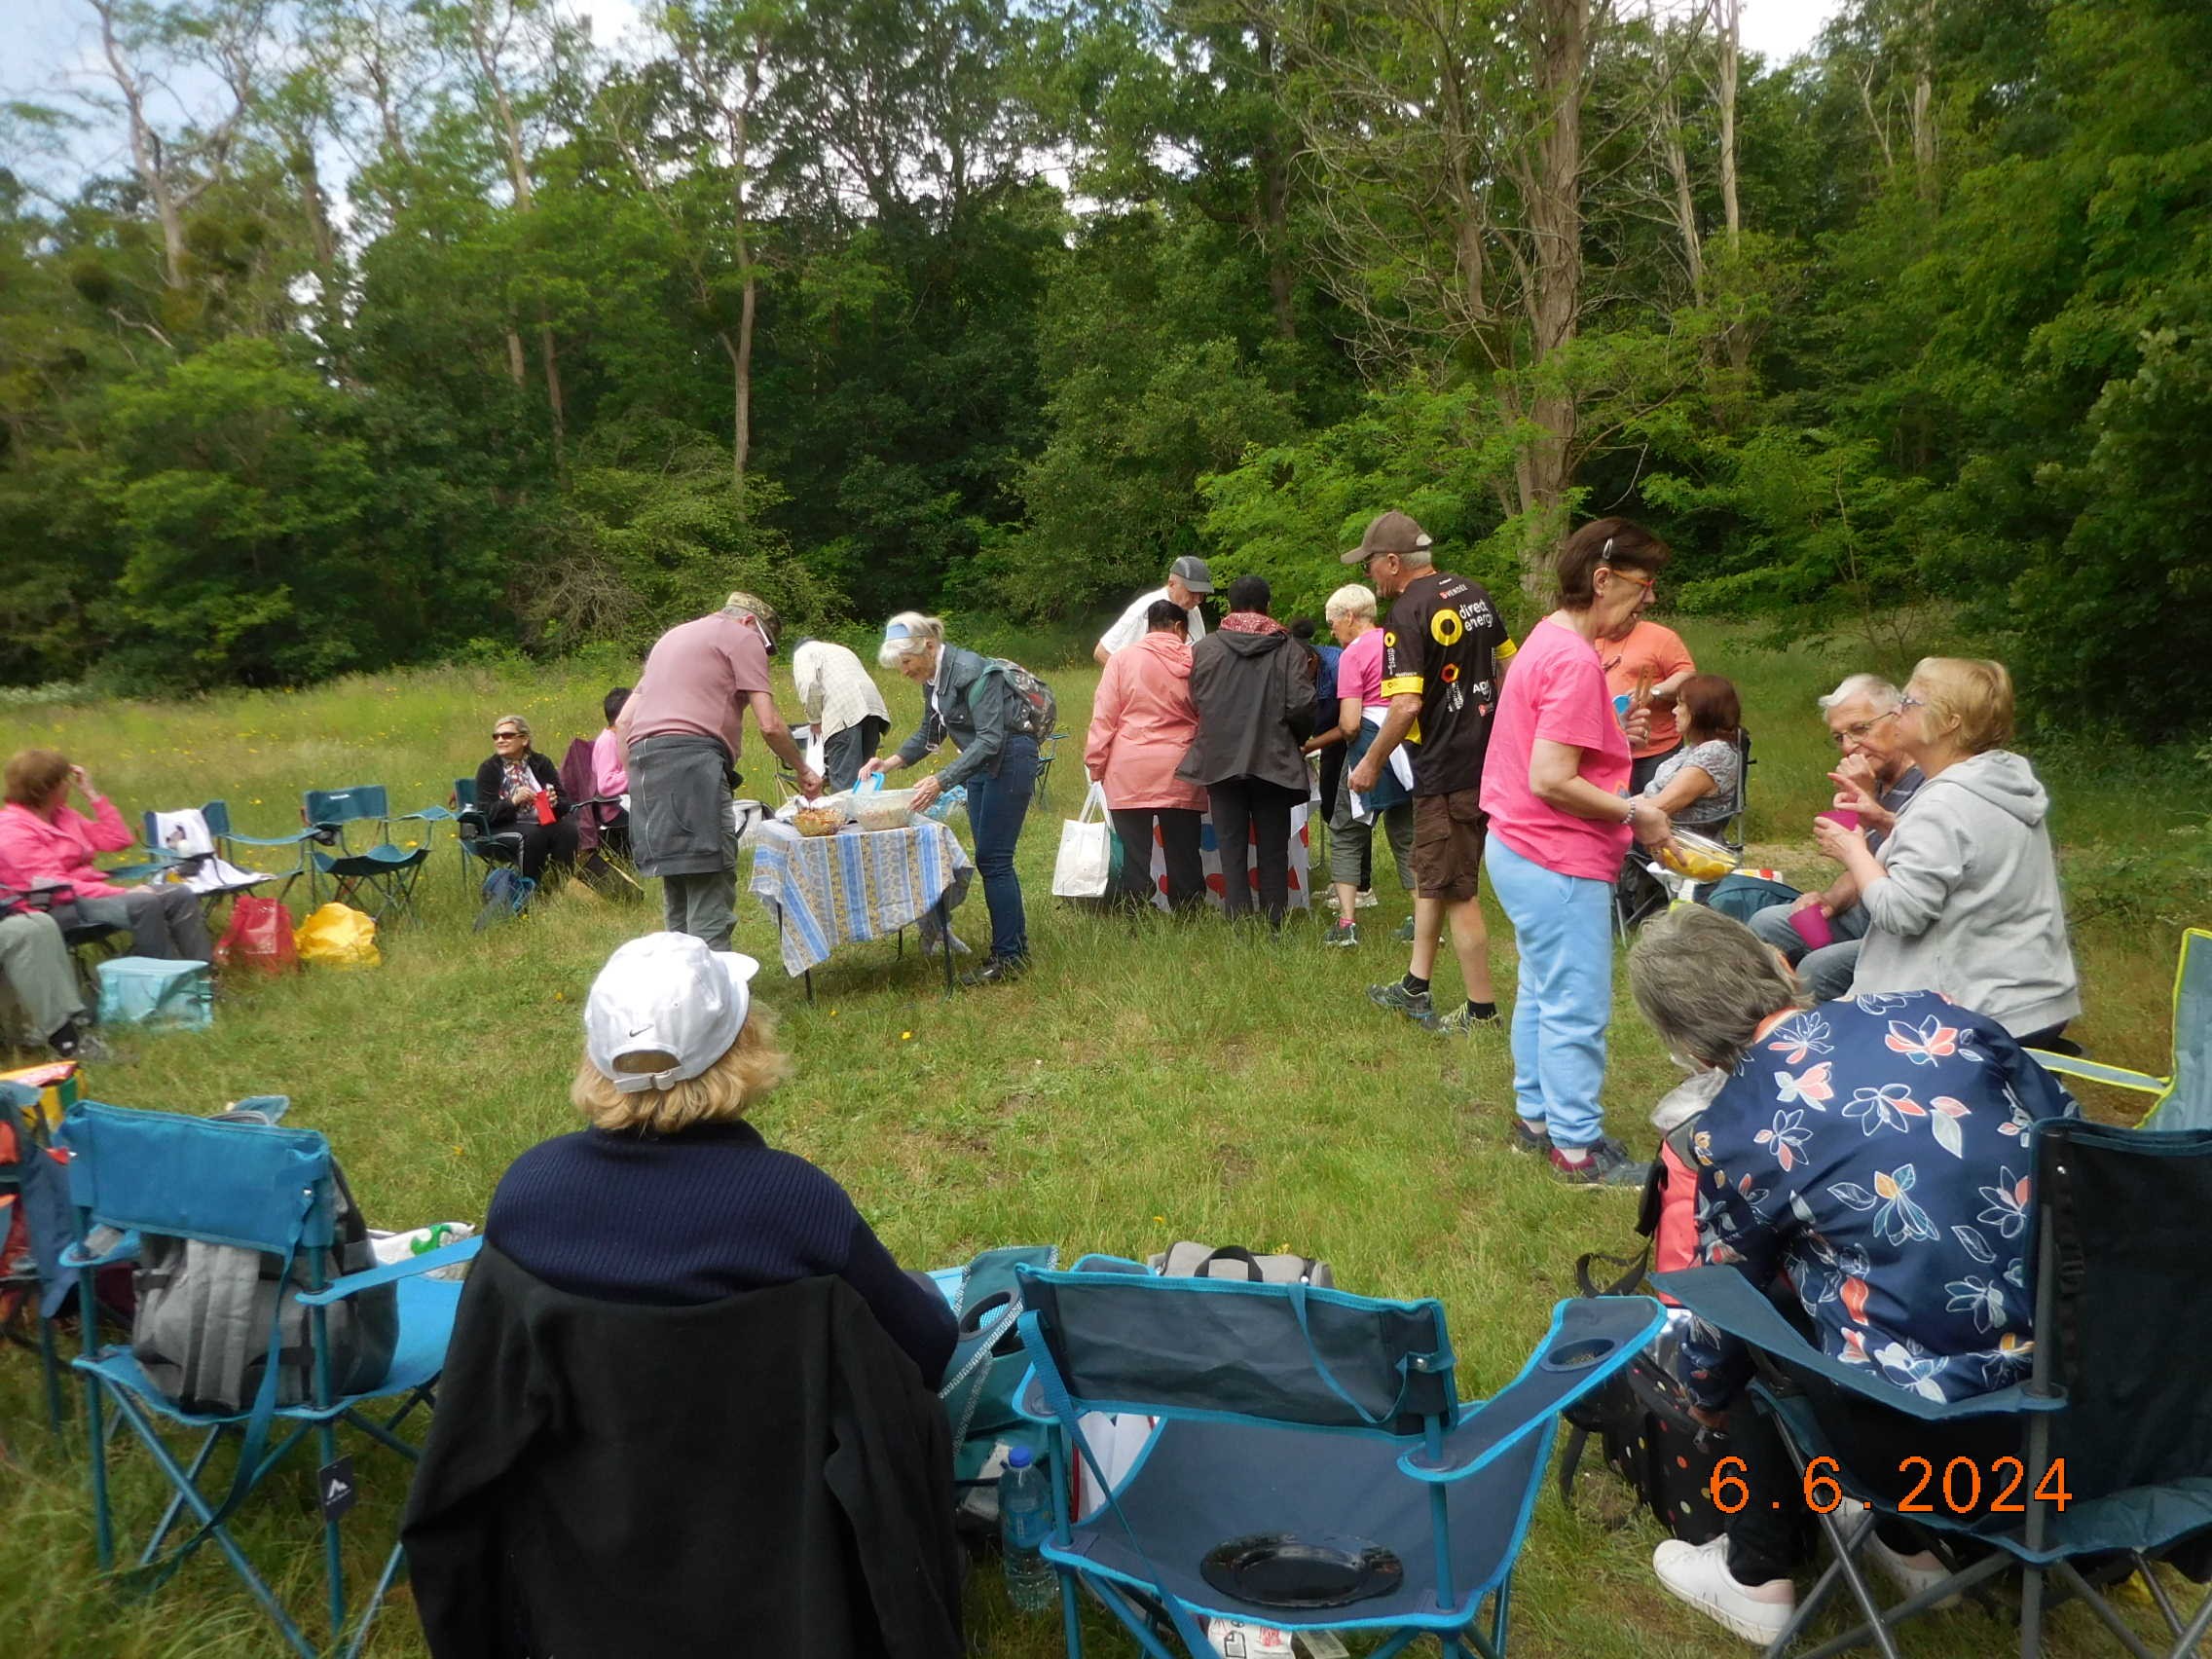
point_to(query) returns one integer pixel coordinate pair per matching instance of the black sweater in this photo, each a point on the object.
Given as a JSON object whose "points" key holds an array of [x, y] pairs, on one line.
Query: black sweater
{"points": [[689, 1217], [500, 813]]}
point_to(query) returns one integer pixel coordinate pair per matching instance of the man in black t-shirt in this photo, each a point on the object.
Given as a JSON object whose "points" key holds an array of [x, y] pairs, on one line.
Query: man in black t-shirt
{"points": [[1444, 656]]}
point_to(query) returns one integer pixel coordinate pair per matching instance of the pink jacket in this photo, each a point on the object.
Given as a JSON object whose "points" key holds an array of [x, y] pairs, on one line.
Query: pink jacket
{"points": [[1141, 724], [35, 852]]}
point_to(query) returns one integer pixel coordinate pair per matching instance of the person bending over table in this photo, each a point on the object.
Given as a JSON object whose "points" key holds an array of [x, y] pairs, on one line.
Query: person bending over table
{"points": [[506, 795], [966, 698], [1874, 1155], [44, 841]]}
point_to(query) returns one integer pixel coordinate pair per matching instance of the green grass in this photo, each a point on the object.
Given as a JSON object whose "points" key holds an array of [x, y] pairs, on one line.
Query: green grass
{"points": [[1142, 1085]]}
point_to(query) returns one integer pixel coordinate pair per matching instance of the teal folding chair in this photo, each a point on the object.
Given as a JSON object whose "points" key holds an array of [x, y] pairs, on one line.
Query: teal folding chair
{"points": [[1313, 1467], [480, 844], [2185, 1093], [264, 1188], [380, 877]]}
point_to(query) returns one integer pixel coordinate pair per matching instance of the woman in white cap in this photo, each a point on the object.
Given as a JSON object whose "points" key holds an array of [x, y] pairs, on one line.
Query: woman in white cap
{"points": [[671, 1197]]}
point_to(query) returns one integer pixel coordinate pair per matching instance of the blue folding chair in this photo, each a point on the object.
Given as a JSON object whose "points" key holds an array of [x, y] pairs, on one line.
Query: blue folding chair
{"points": [[1293, 1413], [2115, 1464], [2185, 1093], [264, 1188], [380, 875]]}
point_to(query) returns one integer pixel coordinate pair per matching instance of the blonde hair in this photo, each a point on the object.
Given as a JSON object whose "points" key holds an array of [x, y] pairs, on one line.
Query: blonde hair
{"points": [[749, 1069], [922, 632], [1968, 697], [1351, 600], [517, 722]]}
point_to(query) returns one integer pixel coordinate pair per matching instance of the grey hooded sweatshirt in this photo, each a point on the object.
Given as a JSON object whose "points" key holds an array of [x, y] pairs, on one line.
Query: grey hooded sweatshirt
{"points": [[1972, 907]]}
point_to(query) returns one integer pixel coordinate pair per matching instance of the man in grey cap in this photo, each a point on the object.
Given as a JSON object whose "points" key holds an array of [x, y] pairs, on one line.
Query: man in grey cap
{"points": [[1188, 581], [1443, 655]]}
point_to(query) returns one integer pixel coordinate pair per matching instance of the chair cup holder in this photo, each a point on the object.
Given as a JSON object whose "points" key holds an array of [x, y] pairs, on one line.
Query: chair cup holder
{"points": [[1578, 1355]]}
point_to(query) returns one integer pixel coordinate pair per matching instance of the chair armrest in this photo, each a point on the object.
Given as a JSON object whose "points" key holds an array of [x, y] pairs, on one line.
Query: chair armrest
{"points": [[1727, 1300], [124, 1249], [428, 815], [2117, 1076], [1590, 1338], [291, 840], [391, 1272]]}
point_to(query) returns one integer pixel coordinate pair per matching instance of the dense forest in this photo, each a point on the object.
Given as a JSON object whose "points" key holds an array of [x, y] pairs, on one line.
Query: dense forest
{"points": [[404, 328]]}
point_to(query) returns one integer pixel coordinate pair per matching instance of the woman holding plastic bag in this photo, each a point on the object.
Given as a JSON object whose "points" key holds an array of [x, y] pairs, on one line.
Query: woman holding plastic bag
{"points": [[1141, 726]]}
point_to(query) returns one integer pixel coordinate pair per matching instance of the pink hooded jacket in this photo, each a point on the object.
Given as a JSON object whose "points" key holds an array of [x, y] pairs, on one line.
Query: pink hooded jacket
{"points": [[1141, 724], [35, 852]]}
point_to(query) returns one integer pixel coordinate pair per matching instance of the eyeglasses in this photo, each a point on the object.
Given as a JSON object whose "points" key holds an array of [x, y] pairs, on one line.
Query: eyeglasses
{"points": [[1646, 583], [1857, 733], [1910, 701], [501, 736]]}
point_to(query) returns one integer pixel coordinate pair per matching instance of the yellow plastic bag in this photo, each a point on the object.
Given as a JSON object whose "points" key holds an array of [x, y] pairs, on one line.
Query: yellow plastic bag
{"points": [[338, 935]]}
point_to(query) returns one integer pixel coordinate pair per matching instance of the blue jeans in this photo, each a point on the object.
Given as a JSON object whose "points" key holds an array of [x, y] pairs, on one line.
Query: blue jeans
{"points": [[1827, 971], [1562, 928], [996, 807]]}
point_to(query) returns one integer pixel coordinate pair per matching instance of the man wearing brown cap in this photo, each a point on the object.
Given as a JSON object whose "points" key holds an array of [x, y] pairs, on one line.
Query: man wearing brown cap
{"points": [[1443, 655]]}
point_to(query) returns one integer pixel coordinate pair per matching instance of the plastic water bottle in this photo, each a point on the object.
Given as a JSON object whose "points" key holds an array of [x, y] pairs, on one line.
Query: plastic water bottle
{"points": [[1025, 1522]]}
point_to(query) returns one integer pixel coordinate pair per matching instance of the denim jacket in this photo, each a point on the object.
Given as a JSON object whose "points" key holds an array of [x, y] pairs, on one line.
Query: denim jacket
{"points": [[974, 707]]}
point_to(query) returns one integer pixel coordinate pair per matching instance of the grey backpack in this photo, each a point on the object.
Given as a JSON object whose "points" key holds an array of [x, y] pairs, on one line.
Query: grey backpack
{"points": [[1187, 1260], [201, 1326]]}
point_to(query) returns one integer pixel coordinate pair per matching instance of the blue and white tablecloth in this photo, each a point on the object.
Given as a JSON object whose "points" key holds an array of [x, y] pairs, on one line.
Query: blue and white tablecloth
{"points": [[858, 884]]}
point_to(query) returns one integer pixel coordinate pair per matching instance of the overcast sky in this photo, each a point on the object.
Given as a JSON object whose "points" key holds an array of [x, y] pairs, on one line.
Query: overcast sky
{"points": [[50, 44]]}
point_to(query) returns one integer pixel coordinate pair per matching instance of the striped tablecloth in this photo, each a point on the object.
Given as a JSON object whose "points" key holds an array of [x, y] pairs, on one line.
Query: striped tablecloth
{"points": [[858, 884]]}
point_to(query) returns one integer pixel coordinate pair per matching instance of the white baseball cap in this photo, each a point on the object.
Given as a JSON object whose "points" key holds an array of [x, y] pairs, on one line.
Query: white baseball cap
{"points": [[665, 994]]}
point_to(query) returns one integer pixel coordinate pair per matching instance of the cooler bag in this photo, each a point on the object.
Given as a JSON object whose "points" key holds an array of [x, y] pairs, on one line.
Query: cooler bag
{"points": [[152, 990]]}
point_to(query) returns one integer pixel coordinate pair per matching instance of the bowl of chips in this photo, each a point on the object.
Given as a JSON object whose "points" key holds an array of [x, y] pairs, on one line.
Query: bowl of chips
{"points": [[1699, 857], [823, 816]]}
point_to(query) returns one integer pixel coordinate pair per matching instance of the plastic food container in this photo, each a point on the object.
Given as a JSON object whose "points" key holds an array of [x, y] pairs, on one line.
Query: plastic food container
{"points": [[884, 809], [826, 817], [1699, 857]]}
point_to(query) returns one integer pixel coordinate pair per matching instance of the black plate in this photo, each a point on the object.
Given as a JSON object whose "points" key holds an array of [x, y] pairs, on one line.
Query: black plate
{"points": [[1280, 1569]]}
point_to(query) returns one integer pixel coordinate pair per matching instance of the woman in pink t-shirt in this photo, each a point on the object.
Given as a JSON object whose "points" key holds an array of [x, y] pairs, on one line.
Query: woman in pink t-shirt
{"points": [[1555, 783]]}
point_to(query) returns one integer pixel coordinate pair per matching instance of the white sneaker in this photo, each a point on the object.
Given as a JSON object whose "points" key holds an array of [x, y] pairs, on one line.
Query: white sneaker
{"points": [[1910, 1573], [1698, 1573], [1365, 899]]}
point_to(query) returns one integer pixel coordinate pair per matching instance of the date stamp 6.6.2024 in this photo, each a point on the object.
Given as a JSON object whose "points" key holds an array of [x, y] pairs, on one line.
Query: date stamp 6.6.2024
{"points": [[1959, 1488]]}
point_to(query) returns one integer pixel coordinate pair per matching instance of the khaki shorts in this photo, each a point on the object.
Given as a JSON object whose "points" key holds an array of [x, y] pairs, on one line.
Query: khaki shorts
{"points": [[1449, 830]]}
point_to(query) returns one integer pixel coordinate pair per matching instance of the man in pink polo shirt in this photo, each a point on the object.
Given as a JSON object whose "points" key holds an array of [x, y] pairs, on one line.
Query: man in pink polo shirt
{"points": [[682, 731]]}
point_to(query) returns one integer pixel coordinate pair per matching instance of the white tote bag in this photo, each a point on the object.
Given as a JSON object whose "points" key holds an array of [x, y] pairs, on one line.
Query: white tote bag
{"points": [[1085, 865]]}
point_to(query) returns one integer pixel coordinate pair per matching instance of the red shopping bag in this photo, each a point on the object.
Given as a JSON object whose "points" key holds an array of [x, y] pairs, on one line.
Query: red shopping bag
{"points": [[260, 936]]}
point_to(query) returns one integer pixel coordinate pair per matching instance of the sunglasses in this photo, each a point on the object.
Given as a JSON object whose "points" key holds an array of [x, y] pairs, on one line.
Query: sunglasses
{"points": [[500, 736]]}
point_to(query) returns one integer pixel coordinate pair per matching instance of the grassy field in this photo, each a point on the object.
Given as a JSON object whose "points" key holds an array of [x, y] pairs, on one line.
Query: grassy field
{"points": [[1144, 1084]]}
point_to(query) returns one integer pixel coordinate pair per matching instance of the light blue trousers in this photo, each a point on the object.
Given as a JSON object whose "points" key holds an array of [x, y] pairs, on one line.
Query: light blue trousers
{"points": [[1562, 928]]}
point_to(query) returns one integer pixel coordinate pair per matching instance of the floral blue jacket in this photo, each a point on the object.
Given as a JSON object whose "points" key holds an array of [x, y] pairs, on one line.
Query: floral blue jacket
{"points": [[1875, 1152]]}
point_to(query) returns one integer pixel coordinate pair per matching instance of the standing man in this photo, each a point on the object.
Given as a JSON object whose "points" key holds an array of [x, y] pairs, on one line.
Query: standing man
{"points": [[1653, 660], [1863, 719], [842, 704], [1443, 655], [1188, 581], [681, 734]]}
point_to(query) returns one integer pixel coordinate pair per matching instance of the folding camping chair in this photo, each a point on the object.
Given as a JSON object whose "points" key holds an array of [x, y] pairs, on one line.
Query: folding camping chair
{"points": [[33, 1286], [382, 873], [1292, 1411], [89, 944], [2185, 1093], [603, 825], [194, 849], [479, 842], [269, 1189], [2115, 1446], [1047, 750]]}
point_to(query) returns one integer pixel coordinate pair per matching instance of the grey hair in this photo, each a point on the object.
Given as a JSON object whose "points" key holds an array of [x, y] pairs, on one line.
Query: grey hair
{"points": [[922, 632], [1705, 980], [1351, 600], [1871, 687], [517, 722]]}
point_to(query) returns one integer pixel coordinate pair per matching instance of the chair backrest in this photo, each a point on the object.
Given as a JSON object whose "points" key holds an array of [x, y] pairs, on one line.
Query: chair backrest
{"points": [[1227, 1349], [2187, 1102], [465, 791], [259, 1186], [344, 806], [2123, 1213]]}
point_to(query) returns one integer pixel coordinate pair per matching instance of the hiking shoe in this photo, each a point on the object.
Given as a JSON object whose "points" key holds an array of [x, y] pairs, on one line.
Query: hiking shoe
{"points": [[1698, 1573], [1463, 1021], [1413, 1004], [998, 971], [1342, 936], [1536, 1142], [1608, 1165], [1365, 899], [1406, 930]]}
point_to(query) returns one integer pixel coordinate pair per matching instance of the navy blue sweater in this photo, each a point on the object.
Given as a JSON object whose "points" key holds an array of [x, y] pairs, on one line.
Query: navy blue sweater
{"points": [[690, 1218]]}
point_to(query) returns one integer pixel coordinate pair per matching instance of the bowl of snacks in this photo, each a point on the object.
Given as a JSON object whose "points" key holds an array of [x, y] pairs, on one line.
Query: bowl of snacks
{"points": [[1699, 857], [884, 809], [825, 817]]}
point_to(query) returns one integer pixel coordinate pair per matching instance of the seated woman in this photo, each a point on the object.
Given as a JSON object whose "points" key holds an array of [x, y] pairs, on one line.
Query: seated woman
{"points": [[43, 840], [1963, 897], [506, 795], [1700, 785], [1873, 1155], [671, 1197]]}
